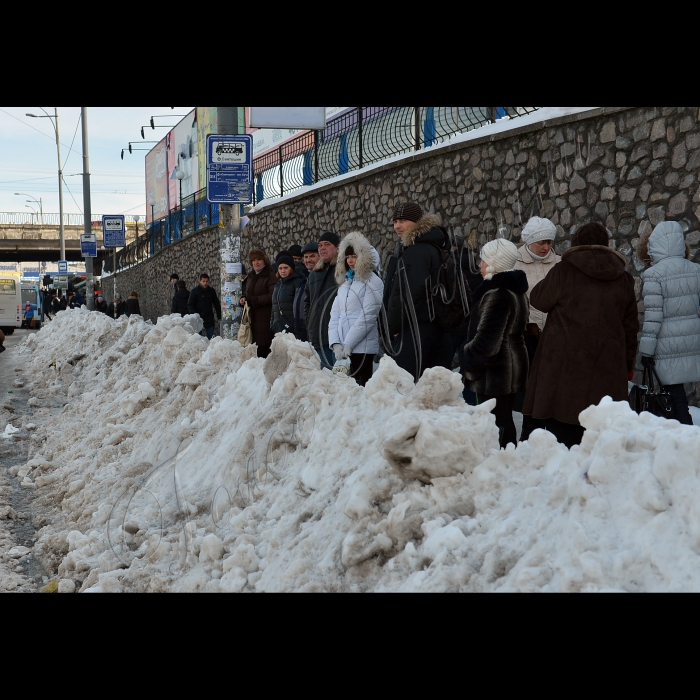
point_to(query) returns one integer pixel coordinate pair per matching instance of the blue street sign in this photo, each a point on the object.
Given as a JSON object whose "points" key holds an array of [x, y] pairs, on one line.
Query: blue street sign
{"points": [[62, 267], [230, 169], [113, 231], [88, 245]]}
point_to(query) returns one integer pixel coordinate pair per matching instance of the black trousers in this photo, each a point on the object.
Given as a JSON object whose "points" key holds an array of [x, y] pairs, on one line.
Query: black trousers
{"points": [[567, 434], [435, 348], [531, 343], [361, 367], [504, 417], [680, 403]]}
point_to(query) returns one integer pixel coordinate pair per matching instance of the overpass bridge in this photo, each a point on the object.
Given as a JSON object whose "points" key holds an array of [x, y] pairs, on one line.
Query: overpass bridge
{"points": [[25, 238]]}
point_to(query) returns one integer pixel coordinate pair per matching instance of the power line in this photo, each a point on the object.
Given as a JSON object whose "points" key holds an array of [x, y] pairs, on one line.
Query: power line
{"points": [[21, 121], [70, 148], [71, 195]]}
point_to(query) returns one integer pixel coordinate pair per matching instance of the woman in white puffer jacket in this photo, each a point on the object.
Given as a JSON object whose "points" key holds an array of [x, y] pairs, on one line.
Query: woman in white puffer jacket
{"points": [[352, 331]]}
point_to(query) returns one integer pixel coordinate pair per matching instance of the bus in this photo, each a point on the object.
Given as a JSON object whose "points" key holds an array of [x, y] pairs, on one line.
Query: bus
{"points": [[10, 302], [31, 292]]}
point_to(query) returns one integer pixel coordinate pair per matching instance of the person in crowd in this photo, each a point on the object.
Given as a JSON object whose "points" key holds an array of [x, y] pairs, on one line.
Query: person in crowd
{"points": [[101, 305], [418, 342], [588, 346], [132, 304], [283, 295], [321, 288], [78, 300], [2, 341], [180, 299], [259, 286], [117, 307], [494, 359], [174, 278], [352, 329], [311, 258], [536, 258], [405, 216], [29, 315], [48, 298], [63, 301], [297, 256], [273, 265], [670, 341], [205, 302]]}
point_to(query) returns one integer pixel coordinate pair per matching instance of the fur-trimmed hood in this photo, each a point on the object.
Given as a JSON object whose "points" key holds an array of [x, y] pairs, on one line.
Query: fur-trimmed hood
{"points": [[656, 254], [318, 267], [367, 257], [512, 280], [424, 226]]}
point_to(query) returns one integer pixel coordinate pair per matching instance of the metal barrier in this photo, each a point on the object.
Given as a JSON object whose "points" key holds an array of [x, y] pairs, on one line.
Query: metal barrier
{"points": [[361, 137], [195, 214], [20, 217]]}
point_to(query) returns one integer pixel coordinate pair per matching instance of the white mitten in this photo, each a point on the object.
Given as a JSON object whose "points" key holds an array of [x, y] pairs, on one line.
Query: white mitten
{"points": [[337, 348]]}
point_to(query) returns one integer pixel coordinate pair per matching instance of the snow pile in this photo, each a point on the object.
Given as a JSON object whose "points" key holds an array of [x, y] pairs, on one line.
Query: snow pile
{"points": [[195, 465]]}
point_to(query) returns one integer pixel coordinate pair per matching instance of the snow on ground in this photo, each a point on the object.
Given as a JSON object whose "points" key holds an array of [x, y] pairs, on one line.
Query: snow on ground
{"points": [[182, 464]]}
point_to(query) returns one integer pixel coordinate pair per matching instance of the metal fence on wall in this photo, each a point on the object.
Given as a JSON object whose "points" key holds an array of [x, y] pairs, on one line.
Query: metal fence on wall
{"points": [[195, 214], [363, 136]]}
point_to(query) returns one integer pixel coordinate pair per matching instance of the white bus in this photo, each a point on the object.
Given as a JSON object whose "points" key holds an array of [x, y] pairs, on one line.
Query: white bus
{"points": [[10, 301]]}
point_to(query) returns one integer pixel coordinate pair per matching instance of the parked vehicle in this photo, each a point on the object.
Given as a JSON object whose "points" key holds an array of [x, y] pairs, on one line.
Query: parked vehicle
{"points": [[10, 302]]}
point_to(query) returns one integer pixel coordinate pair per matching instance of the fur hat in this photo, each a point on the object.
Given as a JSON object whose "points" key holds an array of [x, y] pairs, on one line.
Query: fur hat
{"points": [[365, 257], [499, 255], [538, 229], [591, 234]]}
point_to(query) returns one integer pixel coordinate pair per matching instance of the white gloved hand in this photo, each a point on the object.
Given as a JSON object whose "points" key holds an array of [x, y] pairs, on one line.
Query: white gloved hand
{"points": [[347, 351], [341, 352], [337, 348]]}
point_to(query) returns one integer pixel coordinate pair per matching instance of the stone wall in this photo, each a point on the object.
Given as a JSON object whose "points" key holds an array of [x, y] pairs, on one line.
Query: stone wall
{"points": [[196, 253], [628, 167]]}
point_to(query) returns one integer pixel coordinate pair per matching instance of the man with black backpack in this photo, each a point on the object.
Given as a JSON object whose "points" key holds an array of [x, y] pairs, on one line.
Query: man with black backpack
{"points": [[428, 295]]}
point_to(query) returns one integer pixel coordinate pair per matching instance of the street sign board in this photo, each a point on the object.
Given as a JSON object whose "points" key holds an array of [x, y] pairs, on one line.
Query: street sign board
{"points": [[62, 267], [88, 245], [113, 231], [230, 168]]}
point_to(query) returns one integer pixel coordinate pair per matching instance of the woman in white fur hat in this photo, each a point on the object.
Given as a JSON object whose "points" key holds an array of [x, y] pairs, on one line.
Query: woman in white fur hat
{"points": [[352, 331], [536, 258], [494, 360]]}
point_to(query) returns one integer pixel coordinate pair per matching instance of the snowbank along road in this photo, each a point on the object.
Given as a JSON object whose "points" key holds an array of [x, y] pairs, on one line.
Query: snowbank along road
{"points": [[180, 464]]}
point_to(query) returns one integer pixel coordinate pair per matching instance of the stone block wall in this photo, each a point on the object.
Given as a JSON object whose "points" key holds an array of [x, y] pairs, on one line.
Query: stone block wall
{"points": [[196, 253]]}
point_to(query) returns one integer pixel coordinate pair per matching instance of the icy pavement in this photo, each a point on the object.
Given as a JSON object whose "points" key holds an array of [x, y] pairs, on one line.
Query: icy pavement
{"points": [[186, 465]]}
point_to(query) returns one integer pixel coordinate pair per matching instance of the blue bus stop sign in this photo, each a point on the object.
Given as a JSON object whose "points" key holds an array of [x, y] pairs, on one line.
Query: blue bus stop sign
{"points": [[88, 245], [62, 267], [113, 231], [230, 168]]}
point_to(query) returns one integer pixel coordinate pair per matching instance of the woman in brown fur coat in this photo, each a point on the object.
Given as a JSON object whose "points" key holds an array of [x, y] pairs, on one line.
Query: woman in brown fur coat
{"points": [[259, 286]]}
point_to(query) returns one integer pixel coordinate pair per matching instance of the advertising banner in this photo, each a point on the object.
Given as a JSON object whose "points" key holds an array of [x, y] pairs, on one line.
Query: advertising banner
{"points": [[157, 181], [183, 149]]}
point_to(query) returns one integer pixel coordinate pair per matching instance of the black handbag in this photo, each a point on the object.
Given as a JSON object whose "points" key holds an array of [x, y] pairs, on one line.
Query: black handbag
{"points": [[650, 398]]}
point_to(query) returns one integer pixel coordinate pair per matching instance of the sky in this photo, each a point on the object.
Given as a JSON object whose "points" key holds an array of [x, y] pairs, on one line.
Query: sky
{"points": [[29, 162]]}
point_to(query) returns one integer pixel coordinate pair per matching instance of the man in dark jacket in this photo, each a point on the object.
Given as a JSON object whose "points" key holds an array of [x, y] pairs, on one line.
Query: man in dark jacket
{"points": [[298, 258], [180, 299], [204, 301], [101, 305], [117, 307], [321, 289], [310, 257], [77, 301], [418, 342], [405, 216]]}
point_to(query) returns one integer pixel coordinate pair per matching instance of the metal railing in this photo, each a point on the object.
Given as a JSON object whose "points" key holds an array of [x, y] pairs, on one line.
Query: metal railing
{"points": [[195, 214], [20, 217], [363, 136]]}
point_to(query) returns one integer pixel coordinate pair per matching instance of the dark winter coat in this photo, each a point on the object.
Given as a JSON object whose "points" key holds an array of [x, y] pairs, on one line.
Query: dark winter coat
{"points": [[103, 307], [590, 341], [494, 360], [301, 268], [258, 293], [321, 288], [415, 268], [391, 273], [283, 302], [78, 301], [299, 321], [205, 302], [473, 279], [120, 309], [132, 306], [179, 303]]}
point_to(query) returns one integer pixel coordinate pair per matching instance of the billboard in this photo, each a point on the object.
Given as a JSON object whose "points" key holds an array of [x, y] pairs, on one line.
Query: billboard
{"points": [[265, 140], [183, 149], [157, 181]]}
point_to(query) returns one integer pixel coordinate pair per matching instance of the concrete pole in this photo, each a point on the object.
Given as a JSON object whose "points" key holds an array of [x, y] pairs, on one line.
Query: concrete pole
{"points": [[87, 221], [229, 243], [60, 187]]}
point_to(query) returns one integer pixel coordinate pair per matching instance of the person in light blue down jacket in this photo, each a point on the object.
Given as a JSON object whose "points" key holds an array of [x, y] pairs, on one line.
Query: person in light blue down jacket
{"points": [[670, 339]]}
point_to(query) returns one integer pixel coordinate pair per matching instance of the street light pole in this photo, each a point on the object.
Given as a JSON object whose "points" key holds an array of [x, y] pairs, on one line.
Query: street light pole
{"points": [[87, 217], [34, 199]]}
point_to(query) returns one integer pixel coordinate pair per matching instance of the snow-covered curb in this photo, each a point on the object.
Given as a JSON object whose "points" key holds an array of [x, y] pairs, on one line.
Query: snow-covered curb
{"points": [[195, 465]]}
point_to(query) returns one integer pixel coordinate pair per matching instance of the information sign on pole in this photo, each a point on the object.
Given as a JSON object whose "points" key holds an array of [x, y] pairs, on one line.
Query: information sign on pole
{"points": [[62, 267], [230, 168], [113, 231], [88, 245]]}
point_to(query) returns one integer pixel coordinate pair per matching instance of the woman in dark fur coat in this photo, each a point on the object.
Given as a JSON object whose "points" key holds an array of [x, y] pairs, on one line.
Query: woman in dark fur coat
{"points": [[494, 359]]}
